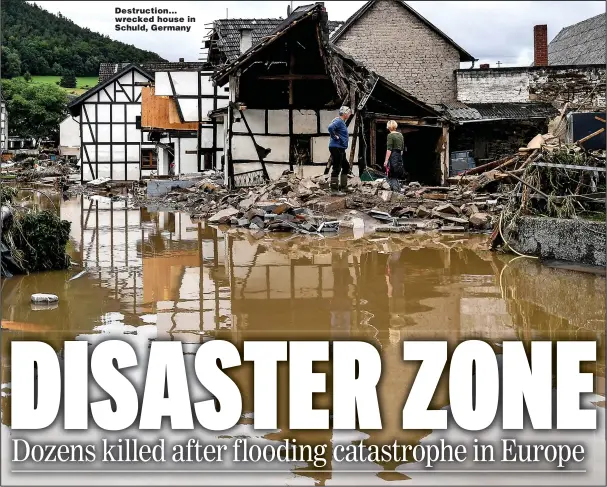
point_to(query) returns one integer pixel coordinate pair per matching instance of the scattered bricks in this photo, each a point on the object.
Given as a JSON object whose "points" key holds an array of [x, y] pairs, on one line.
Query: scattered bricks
{"points": [[329, 204], [448, 208], [281, 208], [450, 218], [308, 227], [436, 196], [253, 212], [223, 216], [423, 212], [257, 223], [308, 184], [243, 222], [386, 196], [481, 221], [285, 217], [470, 209], [244, 205]]}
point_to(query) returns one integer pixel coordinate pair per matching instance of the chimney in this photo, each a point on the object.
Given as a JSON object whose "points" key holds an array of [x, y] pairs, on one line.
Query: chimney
{"points": [[540, 45], [181, 60], [484, 66], [246, 39]]}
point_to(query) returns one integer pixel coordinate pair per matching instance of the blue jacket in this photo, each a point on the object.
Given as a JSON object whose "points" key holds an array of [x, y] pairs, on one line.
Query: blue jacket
{"points": [[338, 128]]}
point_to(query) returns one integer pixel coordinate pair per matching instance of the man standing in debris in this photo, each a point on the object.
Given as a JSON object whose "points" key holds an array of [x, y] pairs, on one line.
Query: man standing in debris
{"points": [[337, 147]]}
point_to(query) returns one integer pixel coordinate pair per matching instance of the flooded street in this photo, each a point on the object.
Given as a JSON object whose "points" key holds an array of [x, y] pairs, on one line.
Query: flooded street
{"points": [[152, 275]]}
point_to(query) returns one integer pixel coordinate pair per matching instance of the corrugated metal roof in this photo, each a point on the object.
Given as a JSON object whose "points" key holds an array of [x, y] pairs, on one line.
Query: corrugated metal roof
{"points": [[581, 43], [107, 70], [228, 32], [479, 112]]}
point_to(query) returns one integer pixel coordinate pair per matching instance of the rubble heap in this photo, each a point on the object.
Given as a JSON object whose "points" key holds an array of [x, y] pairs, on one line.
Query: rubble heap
{"points": [[307, 205]]}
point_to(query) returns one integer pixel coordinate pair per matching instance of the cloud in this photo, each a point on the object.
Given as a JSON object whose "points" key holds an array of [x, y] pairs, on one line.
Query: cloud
{"points": [[490, 30]]}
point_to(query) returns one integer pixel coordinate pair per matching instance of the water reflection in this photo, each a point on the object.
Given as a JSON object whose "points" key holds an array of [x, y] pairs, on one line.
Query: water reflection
{"points": [[160, 275]]}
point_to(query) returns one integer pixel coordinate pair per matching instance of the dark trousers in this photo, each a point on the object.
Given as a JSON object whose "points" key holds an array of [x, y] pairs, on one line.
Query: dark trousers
{"points": [[339, 164]]}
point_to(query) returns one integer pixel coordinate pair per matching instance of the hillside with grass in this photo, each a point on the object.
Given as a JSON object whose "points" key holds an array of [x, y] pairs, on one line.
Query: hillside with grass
{"points": [[40, 43]]}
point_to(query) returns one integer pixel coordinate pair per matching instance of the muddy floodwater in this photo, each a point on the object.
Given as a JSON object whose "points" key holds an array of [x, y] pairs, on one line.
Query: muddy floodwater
{"points": [[146, 275]]}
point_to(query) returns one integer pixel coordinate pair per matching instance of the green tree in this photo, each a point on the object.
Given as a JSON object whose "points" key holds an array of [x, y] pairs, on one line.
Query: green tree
{"points": [[36, 110], [56, 69], [11, 63], [68, 80], [27, 76]]}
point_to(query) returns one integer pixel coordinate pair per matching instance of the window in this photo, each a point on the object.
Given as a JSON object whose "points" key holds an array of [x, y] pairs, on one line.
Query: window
{"points": [[149, 159]]}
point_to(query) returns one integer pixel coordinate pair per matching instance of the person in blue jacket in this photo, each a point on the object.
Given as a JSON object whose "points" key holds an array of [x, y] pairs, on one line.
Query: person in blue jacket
{"points": [[338, 144]]}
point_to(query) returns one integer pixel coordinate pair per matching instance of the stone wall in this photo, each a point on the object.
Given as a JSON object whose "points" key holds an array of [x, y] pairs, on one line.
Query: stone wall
{"points": [[553, 84], [397, 45], [578, 240]]}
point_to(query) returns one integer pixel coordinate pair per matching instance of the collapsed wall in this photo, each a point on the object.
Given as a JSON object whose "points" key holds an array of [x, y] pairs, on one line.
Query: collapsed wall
{"points": [[583, 86]]}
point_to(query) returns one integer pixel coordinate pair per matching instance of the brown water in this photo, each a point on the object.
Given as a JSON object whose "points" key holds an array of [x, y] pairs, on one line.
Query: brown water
{"points": [[153, 275]]}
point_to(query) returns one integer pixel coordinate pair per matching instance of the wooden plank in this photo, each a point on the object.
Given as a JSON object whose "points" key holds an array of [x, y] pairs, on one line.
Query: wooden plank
{"points": [[161, 112], [570, 166], [354, 139], [593, 134]]}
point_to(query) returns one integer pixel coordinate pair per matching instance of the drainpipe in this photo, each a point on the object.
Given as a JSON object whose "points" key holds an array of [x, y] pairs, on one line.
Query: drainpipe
{"points": [[179, 153]]}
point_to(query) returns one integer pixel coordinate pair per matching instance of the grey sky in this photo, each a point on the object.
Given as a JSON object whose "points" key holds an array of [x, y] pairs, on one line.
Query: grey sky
{"points": [[490, 30]]}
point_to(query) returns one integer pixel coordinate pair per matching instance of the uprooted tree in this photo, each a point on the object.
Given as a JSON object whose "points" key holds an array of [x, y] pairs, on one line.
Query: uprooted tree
{"points": [[32, 241]]}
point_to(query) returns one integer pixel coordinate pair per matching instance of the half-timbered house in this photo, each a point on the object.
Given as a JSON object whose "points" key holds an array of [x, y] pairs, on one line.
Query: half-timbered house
{"points": [[111, 140], [284, 92], [175, 115]]}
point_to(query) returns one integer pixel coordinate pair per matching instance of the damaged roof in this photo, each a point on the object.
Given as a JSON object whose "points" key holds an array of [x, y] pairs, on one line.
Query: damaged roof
{"points": [[228, 32], [581, 43], [278, 31], [107, 70], [463, 54], [484, 112]]}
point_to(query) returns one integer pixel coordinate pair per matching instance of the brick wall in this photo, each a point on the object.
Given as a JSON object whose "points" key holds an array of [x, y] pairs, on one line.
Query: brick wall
{"points": [[553, 84], [397, 45], [540, 45]]}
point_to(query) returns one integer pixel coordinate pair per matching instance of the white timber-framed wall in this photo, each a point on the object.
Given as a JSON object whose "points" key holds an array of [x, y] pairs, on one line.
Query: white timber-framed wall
{"points": [[3, 126], [280, 131], [111, 140], [195, 97]]}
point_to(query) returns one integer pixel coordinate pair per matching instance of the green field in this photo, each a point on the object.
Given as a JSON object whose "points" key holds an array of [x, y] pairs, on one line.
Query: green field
{"points": [[82, 83]]}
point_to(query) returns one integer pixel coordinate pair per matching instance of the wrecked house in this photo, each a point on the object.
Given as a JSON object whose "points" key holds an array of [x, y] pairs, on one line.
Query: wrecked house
{"points": [[175, 115], [284, 92], [499, 110], [227, 39]]}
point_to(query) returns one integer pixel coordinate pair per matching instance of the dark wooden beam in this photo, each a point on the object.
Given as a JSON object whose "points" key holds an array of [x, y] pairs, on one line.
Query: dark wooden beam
{"points": [[293, 77]]}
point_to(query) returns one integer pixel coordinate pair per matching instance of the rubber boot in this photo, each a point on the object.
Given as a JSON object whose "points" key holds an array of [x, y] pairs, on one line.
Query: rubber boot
{"points": [[344, 182], [334, 184]]}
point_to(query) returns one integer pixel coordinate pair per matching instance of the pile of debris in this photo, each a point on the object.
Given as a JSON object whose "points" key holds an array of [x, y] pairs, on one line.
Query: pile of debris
{"points": [[24, 168], [307, 205], [32, 240]]}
